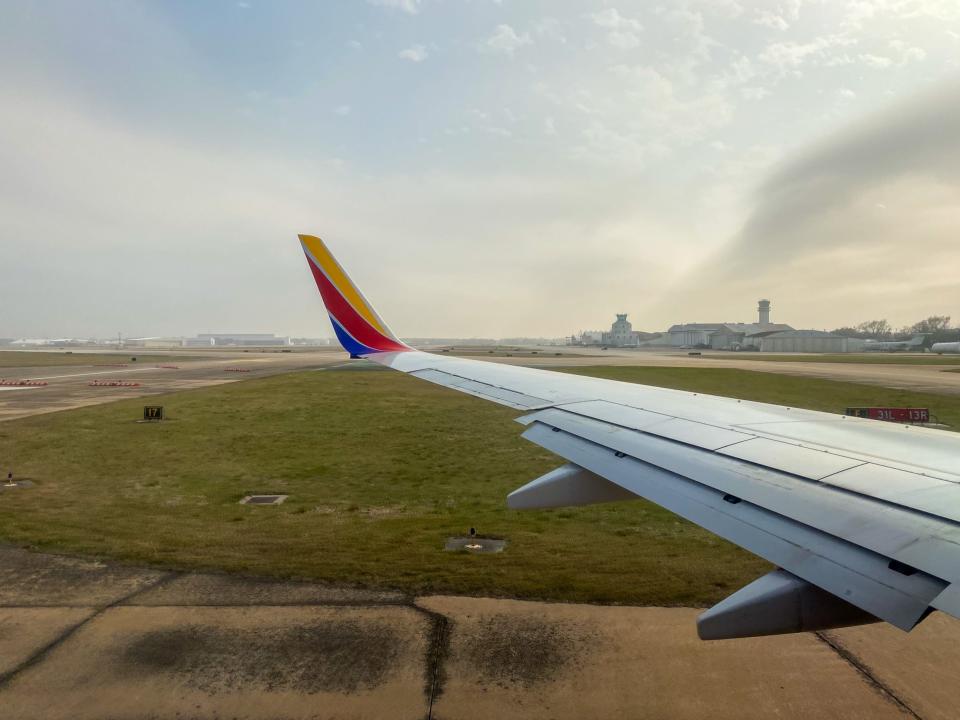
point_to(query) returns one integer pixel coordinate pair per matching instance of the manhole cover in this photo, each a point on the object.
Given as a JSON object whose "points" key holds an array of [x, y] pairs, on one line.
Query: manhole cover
{"points": [[263, 499], [475, 544]]}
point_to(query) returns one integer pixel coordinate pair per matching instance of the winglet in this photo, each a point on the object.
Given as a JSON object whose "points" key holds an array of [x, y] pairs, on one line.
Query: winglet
{"points": [[357, 325]]}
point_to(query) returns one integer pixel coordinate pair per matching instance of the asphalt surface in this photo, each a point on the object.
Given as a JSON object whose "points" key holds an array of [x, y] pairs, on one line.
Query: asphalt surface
{"points": [[68, 386], [81, 638]]}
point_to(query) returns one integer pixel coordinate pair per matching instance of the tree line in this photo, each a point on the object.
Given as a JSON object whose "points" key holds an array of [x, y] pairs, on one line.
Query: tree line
{"points": [[937, 328]]}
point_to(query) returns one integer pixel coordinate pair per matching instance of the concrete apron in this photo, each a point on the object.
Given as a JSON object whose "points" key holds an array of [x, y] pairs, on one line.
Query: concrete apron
{"points": [[84, 639]]}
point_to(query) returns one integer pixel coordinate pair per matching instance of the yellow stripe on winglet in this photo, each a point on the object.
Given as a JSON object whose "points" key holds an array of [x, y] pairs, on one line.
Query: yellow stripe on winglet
{"points": [[340, 280]]}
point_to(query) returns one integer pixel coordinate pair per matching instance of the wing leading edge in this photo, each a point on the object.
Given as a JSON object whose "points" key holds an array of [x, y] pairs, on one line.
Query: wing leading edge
{"points": [[861, 518]]}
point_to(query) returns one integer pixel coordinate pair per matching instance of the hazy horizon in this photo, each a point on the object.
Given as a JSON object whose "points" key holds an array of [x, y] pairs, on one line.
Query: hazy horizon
{"points": [[481, 168]]}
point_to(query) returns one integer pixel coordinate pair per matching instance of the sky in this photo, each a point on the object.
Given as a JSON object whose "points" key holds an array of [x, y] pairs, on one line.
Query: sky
{"points": [[481, 168]]}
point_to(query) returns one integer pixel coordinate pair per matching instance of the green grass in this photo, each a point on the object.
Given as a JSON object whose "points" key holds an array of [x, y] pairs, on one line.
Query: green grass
{"points": [[27, 359], [381, 468], [855, 358]]}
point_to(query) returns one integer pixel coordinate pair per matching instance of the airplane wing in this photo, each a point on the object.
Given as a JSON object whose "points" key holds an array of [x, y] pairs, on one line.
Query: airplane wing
{"points": [[861, 517]]}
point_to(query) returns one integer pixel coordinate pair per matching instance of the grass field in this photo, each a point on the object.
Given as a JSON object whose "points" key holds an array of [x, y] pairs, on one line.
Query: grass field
{"points": [[381, 469], [26, 358], [856, 358]]}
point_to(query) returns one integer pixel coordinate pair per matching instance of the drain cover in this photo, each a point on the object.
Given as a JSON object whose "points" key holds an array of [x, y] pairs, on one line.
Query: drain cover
{"points": [[475, 544], [263, 499], [16, 484]]}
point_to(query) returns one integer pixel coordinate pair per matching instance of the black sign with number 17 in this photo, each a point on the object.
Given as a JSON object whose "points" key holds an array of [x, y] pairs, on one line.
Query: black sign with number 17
{"points": [[153, 412]]}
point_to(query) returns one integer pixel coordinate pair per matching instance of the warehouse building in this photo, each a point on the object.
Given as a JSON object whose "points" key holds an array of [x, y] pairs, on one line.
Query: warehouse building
{"points": [[811, 341], [242, 339]]}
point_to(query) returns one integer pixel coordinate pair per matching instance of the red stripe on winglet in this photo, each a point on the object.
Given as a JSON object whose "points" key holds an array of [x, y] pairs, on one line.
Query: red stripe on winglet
{"points": [[349, 318]]}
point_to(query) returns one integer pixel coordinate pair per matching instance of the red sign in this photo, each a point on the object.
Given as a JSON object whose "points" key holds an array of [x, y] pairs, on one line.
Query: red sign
{"points": [[904, 415]]}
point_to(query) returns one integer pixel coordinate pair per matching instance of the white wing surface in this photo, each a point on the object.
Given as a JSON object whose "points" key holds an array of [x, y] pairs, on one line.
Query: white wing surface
{"points": [[862, 518]]}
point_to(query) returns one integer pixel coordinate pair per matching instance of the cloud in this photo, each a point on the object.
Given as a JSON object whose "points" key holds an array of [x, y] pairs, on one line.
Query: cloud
{"points": [[787, 12], [648, 118], [612, 19], [231, 242], [877, 62], [862, 223], [789, 58], [907, 53], [770, 20], [414, 53], [622, 30], [342, 110], [505, 40], [411, 7], [754, 92], [623, 40]]}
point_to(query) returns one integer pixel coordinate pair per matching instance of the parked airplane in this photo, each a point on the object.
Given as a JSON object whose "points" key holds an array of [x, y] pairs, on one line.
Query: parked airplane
{"points": [[861, 517], [945, 347], [915, 343]]}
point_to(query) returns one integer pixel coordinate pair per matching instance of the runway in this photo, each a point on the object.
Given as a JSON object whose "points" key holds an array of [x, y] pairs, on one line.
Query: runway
{"points": [[69, 386]]}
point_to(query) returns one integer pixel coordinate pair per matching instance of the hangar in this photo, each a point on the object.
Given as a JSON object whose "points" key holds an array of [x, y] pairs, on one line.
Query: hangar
{"points": [[727, 336], [812, 341]]}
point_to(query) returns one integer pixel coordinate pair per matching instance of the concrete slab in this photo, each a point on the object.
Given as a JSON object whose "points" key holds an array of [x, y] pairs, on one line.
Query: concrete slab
{"points": [[215, 645], [512, 659], [920, 667], [26, 631], [38, 580], [203, 589], [138, 662]]}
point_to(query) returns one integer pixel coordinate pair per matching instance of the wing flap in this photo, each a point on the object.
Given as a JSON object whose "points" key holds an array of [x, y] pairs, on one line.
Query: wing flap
{"points": [[805, 462], [846, 570], [924, 451], [918, 540]]}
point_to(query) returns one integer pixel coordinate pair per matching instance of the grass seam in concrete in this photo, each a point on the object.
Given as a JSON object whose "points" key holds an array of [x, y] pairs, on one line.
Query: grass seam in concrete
{"points": [[436, 655], [867, 674], [7, 677]]}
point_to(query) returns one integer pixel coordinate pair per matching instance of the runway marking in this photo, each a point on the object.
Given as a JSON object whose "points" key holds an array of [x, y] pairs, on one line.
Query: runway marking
{"points": [[104, 372], [20, 387]]}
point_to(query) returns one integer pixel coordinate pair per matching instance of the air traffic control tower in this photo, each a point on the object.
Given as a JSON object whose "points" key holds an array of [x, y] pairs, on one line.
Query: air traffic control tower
{"points": [[763, 307]]}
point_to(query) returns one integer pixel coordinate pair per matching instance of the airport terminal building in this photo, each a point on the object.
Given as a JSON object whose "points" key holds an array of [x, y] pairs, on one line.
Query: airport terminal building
{"points": [[621, 334], [763, 335]]}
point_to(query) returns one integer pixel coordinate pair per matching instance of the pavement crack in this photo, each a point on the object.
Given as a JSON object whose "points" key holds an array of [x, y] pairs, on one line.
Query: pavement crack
{"points": [[41, 654], [867, 673]]}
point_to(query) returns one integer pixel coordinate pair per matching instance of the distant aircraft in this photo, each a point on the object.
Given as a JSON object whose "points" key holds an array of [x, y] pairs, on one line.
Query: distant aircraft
{"points": [[945, 347], [861, 517], [914, 343]]}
